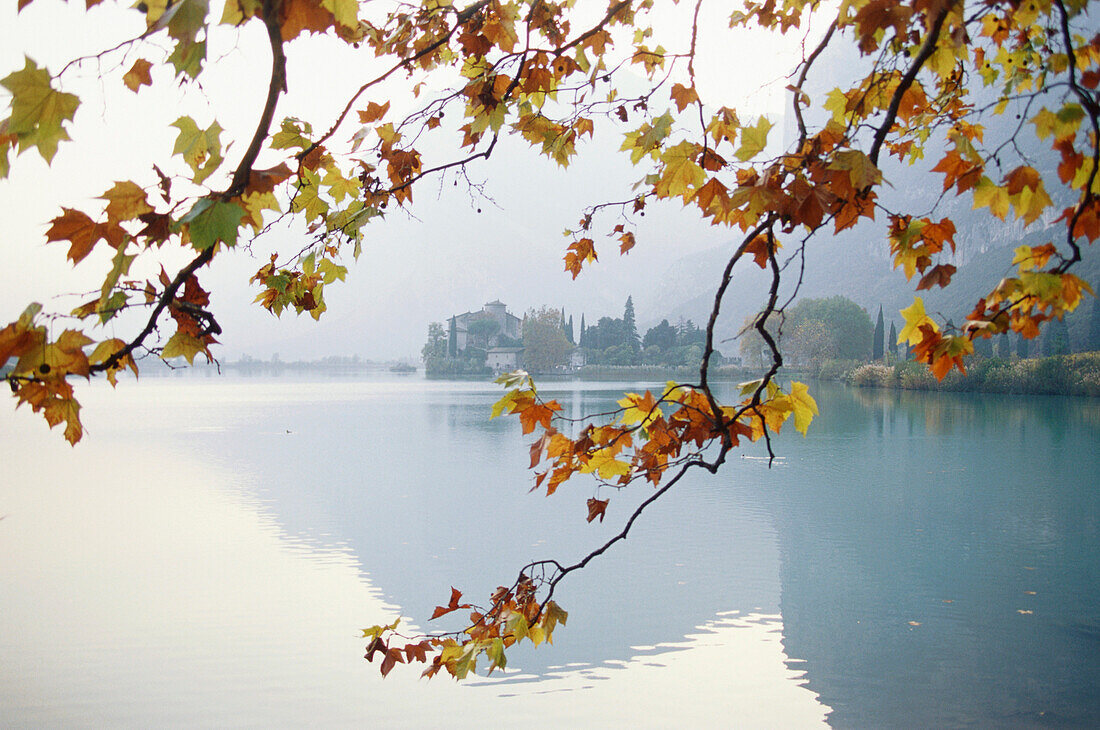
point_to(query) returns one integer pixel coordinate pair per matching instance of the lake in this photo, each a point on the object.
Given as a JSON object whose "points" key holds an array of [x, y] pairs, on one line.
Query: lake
{"points": [[208, 555]]}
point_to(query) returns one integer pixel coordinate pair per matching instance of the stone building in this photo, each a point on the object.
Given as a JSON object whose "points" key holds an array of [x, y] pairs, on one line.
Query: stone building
{"points": [[477, 328]]}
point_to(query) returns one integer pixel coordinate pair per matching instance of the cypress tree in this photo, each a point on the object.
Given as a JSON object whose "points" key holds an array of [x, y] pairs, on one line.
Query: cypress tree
{"points": [[1021, 347], [880, 332], [452, 340], [892, 345], [584, 334], [569, 331], [630, 329], [1058, 331], [1093, 342]]}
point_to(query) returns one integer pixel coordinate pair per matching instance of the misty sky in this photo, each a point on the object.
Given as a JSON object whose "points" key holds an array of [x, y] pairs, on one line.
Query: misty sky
{"points": [[442, 257]]}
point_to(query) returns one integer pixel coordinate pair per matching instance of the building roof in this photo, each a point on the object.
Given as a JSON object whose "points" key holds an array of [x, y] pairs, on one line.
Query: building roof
{"points": [[495, 303]]}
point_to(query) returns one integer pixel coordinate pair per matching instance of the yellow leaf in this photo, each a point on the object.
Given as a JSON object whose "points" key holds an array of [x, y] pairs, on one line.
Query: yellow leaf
{"points": [[126, 201], [915, 317], [803, 405], [184, 345], [681, 174], [753, 140]]}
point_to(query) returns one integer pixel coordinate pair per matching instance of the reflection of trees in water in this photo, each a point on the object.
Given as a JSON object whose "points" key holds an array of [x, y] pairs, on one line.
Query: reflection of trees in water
{"points": [[952, 509], [447, 504], [873, 521], [942, 413]]}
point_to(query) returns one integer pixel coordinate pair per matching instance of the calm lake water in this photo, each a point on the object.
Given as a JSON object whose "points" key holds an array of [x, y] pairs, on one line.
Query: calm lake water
{"points": [[208, 555]]}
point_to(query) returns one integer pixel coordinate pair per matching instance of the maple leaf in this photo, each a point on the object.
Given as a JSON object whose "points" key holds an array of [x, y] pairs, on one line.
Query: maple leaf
{"points": [[184, 345], [552, 615], [138, 75], [104, 350], [579, 253], [596, 508], [605, 465], [683, 96], [753, 139], [990, 195], [211, 221], [861, 171], [938, 275], [373, 112], [639, 409], [681, 175], [761, 250], [38, 111], [915, 318], [83, 233], [126, 201], [803, 406], [626, 242], [299, 16], [454, 605], [200, 148]]}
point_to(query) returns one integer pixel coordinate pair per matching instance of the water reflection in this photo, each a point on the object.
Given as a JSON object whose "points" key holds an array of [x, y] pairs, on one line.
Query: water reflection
{"points": [[945, 567], [920, 559]]}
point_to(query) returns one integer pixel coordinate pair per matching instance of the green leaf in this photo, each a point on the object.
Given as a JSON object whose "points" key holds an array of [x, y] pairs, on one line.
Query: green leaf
{"points": [[188, 58], [38, 110], [495, 652], [188, 18], [200, 149], [212, 221]]}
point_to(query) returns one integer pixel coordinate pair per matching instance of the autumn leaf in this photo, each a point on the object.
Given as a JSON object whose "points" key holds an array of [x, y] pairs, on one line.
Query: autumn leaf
{"points": [[454, 605], [38, 111], [126, 201], [83, 233], [138, 75], [373, 112], [683, 96], [104, 350], [915, 318], [579, 253], [200, 148], [938, 275], [681, 175], [183, 345], [753, 139], [761, 250], [596, 508], [803, 406], [626, 242]]}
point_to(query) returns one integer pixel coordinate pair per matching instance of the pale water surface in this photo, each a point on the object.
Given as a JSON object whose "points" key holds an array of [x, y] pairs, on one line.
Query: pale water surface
{"points": [[207, 556]]}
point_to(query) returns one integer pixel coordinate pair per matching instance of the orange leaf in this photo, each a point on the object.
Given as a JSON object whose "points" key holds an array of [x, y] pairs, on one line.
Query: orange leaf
{"points": [[304, 15], [83, 233], [760, 250], [683, 96], [374, 112]]}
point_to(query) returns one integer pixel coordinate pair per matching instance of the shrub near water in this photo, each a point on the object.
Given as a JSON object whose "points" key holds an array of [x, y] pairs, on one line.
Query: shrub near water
{"points": [[1059, 375]]}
